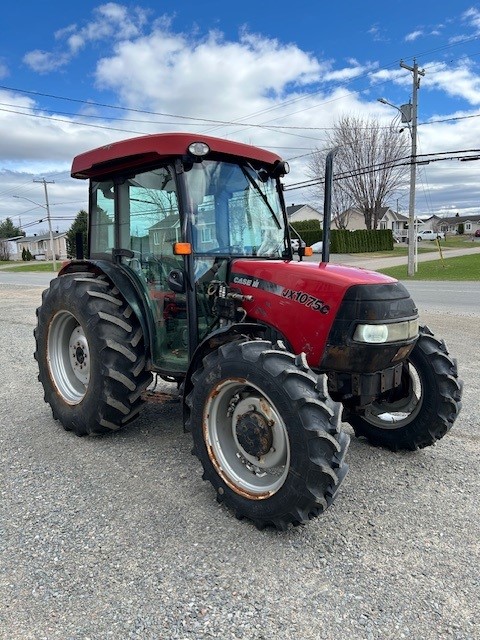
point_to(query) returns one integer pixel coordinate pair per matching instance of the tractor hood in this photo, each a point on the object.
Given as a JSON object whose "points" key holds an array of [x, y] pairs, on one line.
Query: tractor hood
{"points": [[302, 300]]}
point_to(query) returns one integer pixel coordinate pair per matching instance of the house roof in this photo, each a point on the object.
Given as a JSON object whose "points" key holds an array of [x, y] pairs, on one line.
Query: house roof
{"points": [[398, 217], [42, 236], [170, 221], [293, 208], [460, 219], [425, 218]]}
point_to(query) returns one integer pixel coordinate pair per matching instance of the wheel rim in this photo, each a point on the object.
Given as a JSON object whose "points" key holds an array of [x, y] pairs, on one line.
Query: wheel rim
{"points": [[247, 441], [394, 415], [68, 357]]}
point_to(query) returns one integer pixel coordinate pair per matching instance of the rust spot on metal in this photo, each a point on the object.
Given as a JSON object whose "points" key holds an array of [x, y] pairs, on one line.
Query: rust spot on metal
{"points": [[211, 452]]}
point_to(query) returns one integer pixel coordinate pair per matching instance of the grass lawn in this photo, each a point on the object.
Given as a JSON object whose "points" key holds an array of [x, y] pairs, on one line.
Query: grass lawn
{"points": [[427, 246], [31, 266], [459, 268]]}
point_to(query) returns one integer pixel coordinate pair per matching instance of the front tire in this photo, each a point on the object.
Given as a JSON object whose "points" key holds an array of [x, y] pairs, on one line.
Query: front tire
{"points": [[90, 354], [430, 402], [266, 433]]}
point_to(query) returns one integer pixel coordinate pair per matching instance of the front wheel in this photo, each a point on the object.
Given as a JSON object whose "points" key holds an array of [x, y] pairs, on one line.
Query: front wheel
{"points": [[266, 433], [425, 407]]}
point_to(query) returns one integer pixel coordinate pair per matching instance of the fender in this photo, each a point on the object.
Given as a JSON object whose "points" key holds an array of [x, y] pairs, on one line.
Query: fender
{"points": [[212, 342], [130, 289]]}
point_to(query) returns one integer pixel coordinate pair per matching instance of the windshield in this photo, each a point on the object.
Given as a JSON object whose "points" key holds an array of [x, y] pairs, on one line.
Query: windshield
{"points": [[234, 211]]}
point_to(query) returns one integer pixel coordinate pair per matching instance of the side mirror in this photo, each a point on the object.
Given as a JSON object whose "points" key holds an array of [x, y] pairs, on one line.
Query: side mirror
{"points": [[176, 281]]}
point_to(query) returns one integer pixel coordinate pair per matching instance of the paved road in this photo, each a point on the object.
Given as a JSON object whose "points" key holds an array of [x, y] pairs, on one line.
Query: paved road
{"points": [[118, 537], [26, 279]]}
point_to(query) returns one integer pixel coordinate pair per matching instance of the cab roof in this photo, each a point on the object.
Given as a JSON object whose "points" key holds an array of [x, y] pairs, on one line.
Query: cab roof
{"points": [[145, 150]]}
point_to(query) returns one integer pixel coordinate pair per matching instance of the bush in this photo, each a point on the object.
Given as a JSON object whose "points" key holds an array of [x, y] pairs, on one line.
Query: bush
{"points": [[360, 241], [310, 231], [344, 241]]}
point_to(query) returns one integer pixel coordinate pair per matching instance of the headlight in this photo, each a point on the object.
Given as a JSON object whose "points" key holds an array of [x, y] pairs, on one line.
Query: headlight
{"points": [[380, 333]]}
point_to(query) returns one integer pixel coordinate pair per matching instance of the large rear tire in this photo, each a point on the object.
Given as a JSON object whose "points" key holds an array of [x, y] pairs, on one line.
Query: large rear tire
{"points": [[267, 434], [429, 404], [90, 354]]}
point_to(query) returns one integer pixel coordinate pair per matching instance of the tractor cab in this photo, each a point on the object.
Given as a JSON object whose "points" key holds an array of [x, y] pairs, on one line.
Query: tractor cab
{"points": [[176, 226]]}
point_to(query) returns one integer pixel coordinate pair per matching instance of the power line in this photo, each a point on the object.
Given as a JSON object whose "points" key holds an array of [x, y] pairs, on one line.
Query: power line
{"points": [[422, 159]]}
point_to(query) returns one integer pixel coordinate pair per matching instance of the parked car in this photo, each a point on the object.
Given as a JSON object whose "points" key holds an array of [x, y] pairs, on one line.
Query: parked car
{"points": [[430, 234], [317, 247], [296, 243]]}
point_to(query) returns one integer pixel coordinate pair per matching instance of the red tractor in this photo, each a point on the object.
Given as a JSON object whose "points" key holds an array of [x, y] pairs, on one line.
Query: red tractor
{"points": [[191, 275]]}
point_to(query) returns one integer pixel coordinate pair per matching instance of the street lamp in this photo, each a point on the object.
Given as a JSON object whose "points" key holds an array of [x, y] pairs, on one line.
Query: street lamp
{"points": [[409, 115], [49, 225]]}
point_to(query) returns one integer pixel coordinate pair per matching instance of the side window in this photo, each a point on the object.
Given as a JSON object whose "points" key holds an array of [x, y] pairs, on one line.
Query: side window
{"points": [[154, 223], [102, 228]]}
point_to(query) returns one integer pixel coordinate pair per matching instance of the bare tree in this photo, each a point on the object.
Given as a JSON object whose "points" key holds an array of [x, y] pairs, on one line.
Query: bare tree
{"points": [[368, 168], [4, 250]]}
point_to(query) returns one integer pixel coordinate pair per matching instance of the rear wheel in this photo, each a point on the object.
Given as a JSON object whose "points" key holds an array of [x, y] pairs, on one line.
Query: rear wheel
{"points": [[266, 433], [425, 407], [90, 354]]}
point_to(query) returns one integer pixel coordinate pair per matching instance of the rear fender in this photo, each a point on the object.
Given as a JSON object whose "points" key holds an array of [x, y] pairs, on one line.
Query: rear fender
{"points": [[130, 290]]}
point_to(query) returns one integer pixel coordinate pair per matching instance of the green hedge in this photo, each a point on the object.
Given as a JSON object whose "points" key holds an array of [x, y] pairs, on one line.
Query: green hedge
{"points": [[309, 230], [360, 241], [344, 241]]}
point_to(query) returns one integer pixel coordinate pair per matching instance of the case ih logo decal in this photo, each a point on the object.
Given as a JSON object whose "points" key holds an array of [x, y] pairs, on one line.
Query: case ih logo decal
{"points": [[290, 294], [245, 280]]}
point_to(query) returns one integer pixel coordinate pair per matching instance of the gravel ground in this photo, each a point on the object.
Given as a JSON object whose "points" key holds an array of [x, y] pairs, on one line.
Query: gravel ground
{"points": [[118, 537]]}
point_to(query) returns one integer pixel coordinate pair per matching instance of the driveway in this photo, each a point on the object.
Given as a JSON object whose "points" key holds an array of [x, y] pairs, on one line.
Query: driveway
{"points": [[119, 537]]}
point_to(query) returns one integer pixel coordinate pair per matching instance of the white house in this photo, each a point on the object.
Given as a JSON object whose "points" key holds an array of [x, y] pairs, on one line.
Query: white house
{"points": [[40, 246], [451, 224], [354, 219], [297, 212], [8, 249], [397, 222]]}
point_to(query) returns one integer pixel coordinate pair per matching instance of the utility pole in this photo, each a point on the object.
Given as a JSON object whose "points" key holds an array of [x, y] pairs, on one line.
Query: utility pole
{"points": [[47, 206], [413, 167]]}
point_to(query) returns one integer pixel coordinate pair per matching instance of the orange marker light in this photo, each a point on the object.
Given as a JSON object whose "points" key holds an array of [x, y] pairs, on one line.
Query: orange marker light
{"points": [[182, 248]]}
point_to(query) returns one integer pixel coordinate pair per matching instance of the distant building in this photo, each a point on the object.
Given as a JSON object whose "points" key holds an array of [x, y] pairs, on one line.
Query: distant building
{"points": [[40, 246], [297, 212], [451, 224], [8, 248], [354, 219]]}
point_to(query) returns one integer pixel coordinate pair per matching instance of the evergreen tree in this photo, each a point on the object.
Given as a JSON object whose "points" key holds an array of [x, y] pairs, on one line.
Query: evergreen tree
{"points": [[9, 230], [79, 226]]}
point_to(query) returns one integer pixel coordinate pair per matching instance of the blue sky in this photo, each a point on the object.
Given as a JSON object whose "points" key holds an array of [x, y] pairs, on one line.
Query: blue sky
{"points": [[119, 69]]}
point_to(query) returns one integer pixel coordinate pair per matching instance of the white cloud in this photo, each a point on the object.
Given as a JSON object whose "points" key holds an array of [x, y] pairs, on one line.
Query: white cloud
{"points": [[3, 70], [472, 17], [111, 21], [457, 81], [377, 34], [414, 35], [355, 70], [44, 61], [174, 73]]}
